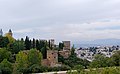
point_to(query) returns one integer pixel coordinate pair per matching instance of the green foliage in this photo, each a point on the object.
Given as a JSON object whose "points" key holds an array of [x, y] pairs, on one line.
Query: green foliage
{"points": [[73, 61], [4, 54], [6, 67], [49, 44], [116, 58], [26, 59], [3, 41], [17, 46], [107, 70], [27, 43], [73, 51], [61, 45], [40, 44], [34, 57], [44, 51], [99, 61], [38, 47], [35, 68], [60, 58], [33, 43], [80, 67], [22, 62]]}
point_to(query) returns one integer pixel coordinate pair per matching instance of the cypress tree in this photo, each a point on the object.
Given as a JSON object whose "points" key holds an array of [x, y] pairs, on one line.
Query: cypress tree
{"points": [[37, 45], [27, 43], [33, 43]]}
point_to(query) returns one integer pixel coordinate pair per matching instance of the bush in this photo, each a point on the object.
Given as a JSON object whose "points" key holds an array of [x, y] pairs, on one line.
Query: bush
{"points": [[6, 67]]}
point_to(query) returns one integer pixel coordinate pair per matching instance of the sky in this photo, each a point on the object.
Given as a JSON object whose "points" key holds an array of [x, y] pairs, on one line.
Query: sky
{"points": [[74, 20]]}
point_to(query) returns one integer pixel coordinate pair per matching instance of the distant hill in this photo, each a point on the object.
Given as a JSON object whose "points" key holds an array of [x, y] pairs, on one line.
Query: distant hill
{"points": [[98, 42]]}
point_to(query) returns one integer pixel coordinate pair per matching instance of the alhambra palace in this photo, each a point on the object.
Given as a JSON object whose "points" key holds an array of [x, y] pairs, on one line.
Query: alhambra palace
{"points": [[52, 55]]}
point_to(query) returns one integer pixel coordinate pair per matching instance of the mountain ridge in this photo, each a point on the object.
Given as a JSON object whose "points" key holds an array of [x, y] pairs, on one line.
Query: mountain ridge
{"points": [[98, 42]]}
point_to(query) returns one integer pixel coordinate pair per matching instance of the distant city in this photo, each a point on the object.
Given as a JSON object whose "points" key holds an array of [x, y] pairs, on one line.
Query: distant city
{"points": [[89, 52]]}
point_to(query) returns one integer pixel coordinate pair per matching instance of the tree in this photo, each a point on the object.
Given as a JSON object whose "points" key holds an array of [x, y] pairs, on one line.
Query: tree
{"points": [[99, 61], [44, 51], [72, 61], [73, 51], [33, 43], [42, 43], [34, 57], [3, 41], [26, 59], [60, 58], [22, 39], [35, 68], [37, 45], [22, 62], [4, 54], [17, 46], [115, 58], [49, 44], [61, 45], [27, 43], [6, 67]]}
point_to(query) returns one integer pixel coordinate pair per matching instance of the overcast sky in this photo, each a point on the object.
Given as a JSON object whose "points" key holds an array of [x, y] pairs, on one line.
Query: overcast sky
{"points": [[73, 20]]}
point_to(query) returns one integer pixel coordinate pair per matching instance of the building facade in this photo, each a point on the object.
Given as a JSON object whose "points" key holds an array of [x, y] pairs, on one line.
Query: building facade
{"points": [[52, 59], [66, 45]]}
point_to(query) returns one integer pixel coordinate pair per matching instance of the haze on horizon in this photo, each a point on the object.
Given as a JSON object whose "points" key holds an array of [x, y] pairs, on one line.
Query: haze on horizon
{"points": [[75, 20]]}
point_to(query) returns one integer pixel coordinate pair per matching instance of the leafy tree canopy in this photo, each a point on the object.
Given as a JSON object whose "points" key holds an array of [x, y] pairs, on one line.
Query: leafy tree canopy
{"points": [[6, 67], [4, 54]]}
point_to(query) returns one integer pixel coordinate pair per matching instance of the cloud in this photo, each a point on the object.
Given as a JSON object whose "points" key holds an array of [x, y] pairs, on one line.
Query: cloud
{"points": [[83, 31], [24, 31], [62, 20]]}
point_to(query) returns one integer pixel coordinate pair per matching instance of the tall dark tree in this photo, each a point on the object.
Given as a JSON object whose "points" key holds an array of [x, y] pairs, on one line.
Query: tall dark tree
{"points": [[33, 43], [42, 43], [73, 51], [61, 45], [22, 39], [49, 44], [30, 44], [44, 51], [27, 43], [37, 45]]}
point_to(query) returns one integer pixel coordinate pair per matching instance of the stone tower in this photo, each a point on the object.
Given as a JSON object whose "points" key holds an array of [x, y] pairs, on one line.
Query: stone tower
{"points": [[10, 32], [1, 32], [66, 45], [52, 56], [52, 41]]}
